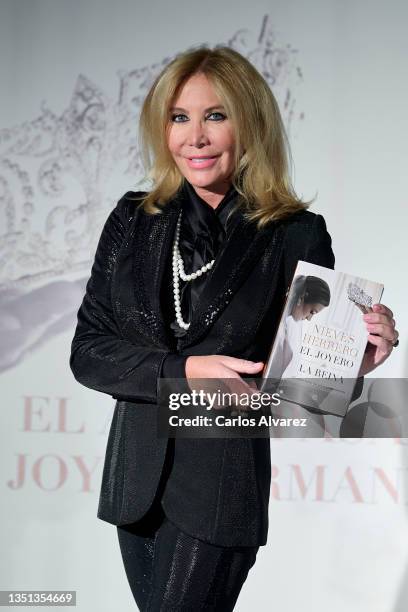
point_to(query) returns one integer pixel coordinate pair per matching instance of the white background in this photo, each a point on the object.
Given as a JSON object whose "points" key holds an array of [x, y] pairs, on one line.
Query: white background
{"points": [[347, 548]]}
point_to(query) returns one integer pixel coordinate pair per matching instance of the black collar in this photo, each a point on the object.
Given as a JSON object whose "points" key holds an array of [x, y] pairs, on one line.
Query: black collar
{"points": [[202, 217]]}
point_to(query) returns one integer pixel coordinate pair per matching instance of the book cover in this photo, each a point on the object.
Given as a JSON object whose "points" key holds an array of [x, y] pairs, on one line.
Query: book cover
{"points": [[319, 346]]}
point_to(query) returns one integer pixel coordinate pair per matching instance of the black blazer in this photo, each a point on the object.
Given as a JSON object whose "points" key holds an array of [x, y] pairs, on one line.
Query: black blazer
{"points": [[218, 490]]}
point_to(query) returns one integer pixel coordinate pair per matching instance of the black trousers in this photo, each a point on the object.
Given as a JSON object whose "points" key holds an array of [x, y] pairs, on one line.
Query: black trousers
{"points": [[171, 571]]}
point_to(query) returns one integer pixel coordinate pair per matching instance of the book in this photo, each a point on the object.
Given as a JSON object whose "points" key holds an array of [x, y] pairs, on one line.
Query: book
{"points": [[321, 338]]}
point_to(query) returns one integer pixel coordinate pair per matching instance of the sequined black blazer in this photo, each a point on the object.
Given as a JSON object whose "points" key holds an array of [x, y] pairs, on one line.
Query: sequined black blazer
{"points": [[219, 488]]}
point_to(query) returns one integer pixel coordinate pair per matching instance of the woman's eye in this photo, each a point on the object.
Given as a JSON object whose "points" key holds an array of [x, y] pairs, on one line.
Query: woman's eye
{"points": [[175, 118], [221, 116]]}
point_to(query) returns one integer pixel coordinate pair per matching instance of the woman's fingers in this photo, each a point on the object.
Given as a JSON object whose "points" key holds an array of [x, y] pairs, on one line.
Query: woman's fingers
{"points": [[236, 385], [377, 317], [384, 348], [241, 365], [374, 317], [382, 308], [384, 331], [381, 323]]}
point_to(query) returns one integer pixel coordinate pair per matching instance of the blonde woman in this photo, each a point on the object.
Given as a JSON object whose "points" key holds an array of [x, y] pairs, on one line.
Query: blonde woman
{"points": [[188, 282]]}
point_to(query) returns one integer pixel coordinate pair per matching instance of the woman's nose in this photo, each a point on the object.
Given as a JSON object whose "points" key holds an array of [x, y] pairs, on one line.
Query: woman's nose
{"points": [[197, 134]]}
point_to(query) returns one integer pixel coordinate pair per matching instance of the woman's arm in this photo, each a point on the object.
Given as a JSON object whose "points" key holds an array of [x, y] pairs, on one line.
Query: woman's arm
{"points": [[101, 358], [319, 249], [174, 366], [307, 240]]}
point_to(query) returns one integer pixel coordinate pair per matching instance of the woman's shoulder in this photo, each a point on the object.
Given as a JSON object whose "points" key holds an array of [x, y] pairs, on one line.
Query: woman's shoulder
{"points": [[304, 224], [133, 197], [133, 200], [303, 218], [129, 203], [307, 239]]}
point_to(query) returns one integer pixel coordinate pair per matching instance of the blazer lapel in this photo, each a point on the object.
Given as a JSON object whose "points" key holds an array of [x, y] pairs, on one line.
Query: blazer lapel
{"points": [[153, 243], [232, 266], [152, 247]]}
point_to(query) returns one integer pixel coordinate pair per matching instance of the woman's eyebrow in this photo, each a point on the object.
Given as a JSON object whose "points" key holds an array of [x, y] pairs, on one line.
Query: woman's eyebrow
{"points": [[178, 108]]}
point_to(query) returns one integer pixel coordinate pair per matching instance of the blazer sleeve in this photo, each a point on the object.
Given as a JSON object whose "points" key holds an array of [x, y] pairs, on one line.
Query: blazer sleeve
{"points": [[308, 241], [174, 366], [319, 249], [101, 358]]}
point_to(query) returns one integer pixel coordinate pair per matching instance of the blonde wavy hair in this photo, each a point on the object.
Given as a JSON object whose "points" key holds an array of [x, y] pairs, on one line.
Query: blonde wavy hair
{"points": [[261, 174]]}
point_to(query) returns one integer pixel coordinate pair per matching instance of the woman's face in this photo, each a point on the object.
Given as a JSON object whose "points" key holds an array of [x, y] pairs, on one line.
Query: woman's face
{"points": [[201, 139], [305, 311]]}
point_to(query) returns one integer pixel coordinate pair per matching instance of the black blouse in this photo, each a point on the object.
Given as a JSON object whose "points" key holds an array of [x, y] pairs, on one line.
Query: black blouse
{"points": [[203, 232]]}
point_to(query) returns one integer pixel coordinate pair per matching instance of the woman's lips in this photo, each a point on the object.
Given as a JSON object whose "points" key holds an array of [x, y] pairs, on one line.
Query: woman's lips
{"points": [[199, 163]]}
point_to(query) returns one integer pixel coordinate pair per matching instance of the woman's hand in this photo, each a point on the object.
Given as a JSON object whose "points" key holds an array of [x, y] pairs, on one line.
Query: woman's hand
{"points": [[382, 335], [222, 367]]}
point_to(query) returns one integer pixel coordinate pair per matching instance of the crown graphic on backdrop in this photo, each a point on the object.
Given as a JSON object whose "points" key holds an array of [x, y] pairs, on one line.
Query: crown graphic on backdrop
{"points": [[60, 174]]}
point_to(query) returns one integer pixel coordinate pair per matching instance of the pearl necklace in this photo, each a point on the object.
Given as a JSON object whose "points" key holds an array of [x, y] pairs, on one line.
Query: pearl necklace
{"points": [[178, 271]]}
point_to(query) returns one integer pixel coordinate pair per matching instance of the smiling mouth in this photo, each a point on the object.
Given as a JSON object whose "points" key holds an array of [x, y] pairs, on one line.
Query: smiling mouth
{"points": [[201, 159]]}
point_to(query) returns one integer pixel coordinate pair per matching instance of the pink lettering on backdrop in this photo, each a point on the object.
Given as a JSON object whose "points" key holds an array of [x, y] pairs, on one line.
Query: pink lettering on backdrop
{"points": [[41, 414], [348, 483], [294, 483], [317, 476], [389, 487], [85, 472], [51, 472], [60, 468]]}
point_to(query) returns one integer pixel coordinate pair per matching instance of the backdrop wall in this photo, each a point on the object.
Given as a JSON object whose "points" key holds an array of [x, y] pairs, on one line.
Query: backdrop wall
{"points": [[73, 75]]}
